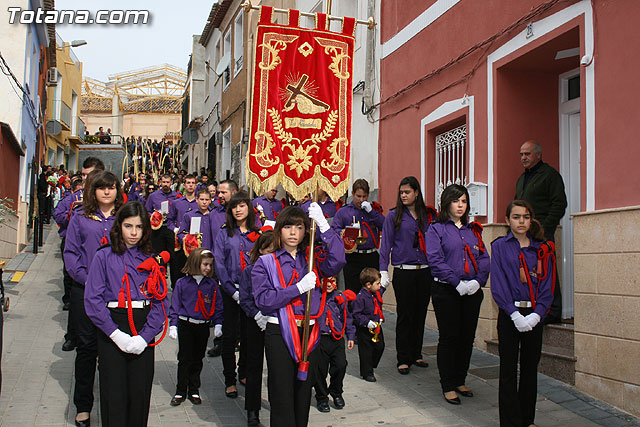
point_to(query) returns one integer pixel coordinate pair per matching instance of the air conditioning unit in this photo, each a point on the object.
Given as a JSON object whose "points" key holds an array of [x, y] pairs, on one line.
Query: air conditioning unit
{"points": [[52, 76]]}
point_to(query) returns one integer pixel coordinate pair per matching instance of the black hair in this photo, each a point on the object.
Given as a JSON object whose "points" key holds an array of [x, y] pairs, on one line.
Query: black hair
{"points": [[450, 195], [93, 162], [237, 199], [421, 209], [127, 211], [535, 230]]}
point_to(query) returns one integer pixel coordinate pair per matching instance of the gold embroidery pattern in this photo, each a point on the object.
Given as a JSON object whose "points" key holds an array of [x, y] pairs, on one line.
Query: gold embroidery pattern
{"points": [[333, 173], [305, 49], [273, 47]]}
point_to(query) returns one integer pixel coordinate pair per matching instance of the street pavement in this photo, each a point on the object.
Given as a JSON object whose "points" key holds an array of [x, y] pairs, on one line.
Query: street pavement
{"points": [[38, 377]]}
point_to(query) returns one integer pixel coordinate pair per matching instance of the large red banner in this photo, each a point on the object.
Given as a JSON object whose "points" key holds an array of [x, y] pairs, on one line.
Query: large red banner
{"points": [[301, 111]]}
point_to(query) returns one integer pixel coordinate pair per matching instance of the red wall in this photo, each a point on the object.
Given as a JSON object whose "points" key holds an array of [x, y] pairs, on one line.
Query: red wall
{"points": [[517, 121], [617, 95], [616, 92], [10, 167]]}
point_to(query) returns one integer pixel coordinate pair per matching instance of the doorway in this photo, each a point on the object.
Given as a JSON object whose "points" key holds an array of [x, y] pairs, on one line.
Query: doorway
{"points": [[569, 138]]}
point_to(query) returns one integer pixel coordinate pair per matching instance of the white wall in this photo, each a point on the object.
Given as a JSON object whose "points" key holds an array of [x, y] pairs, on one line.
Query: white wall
{"points": [[212, 94], [13, 37], [364, 134]]}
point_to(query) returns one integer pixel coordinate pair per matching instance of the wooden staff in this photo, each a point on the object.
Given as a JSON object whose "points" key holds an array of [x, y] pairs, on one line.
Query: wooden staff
{"points": [[307, 311]]}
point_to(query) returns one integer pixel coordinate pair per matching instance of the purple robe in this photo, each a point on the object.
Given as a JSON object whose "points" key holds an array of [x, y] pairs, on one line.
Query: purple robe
{"points": [[84, 237], [446, 254], [185, 297], [506, 286], [104, 282]]}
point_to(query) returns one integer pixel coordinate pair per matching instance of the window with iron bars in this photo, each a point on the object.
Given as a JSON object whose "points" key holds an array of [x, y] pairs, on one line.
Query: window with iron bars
{"points": [[450, 159]]}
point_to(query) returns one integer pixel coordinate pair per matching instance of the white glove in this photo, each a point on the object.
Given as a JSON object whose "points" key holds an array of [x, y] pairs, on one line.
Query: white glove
{"points": [[176, 229], [121, 339], [307, 283], [472, 287], [173, 332], [372, 324], [384, 278], [136, 345], [366, 206], [462, 288], [316, 214], [532, 319], [261, 320], [217, 331], [520, 321], [236, 296]]}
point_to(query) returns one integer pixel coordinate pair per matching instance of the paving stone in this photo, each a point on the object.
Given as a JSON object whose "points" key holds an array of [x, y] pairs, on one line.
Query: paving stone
{"points": [[37, 371]]}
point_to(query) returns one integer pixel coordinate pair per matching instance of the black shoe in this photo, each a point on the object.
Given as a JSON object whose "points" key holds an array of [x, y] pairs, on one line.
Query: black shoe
{"points": [[68, 345], [215, 351], [324, 406], [465, 393], [454, 401], [195, 399], [253, 418], [66, 306], [421, 363], [338, 401], [231, 394], [403, 371], [177, 400], [83, 423], [370, 378]]}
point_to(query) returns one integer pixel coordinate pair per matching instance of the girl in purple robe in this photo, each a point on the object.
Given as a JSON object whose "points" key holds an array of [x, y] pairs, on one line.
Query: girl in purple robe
{"points": [[522, 282], [88, 229], [231, 253], [280, 284], [196, 305], [124, 296]]}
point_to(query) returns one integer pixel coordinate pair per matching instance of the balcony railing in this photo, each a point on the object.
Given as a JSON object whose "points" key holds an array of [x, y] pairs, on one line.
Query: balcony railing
{"points": [[65, 114], [80, 129]]}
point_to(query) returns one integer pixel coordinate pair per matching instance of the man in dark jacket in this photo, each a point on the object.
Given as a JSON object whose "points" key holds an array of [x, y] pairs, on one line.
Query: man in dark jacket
{"points": [[542, 186]]}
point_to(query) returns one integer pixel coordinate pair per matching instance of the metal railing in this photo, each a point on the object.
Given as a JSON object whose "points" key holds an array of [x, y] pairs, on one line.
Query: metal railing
{"points": [[80, 129], [450, 159], [65, 114]]}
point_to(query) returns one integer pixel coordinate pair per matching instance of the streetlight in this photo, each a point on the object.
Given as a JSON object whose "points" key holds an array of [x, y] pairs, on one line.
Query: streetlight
{"points": [[74, 43]]}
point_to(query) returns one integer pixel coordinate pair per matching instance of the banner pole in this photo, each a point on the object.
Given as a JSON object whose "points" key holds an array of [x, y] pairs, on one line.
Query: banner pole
{"points": [[307, 311], [370, 23]]}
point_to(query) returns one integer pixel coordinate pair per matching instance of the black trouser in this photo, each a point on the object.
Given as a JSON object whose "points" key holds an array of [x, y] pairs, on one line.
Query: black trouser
{"points": [[255, 361], [43, 207], [192, 344], [233, 319], [355, 264], [178, 259], [125, 379], [369, 352], [67, 281], [518, 403], [457, 318], [332, 359], [289, 398], [86, 350], [66, 298], [412, 289]]}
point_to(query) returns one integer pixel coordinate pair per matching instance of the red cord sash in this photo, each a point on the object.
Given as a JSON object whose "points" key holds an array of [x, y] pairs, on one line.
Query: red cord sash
{"points": [[469, 255], [201, 308], [376, 242]]}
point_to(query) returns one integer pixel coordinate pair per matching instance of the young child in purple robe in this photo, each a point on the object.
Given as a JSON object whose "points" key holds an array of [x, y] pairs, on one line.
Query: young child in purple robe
{"points": [[368, 318], [196, 304]]}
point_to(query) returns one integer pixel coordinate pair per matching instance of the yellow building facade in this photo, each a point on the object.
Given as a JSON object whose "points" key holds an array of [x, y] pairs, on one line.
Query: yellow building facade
{"points": [[65, 130]]}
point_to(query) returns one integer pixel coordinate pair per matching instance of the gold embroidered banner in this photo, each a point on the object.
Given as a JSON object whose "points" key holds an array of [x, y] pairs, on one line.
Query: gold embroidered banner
{"points": [[301, 111]]}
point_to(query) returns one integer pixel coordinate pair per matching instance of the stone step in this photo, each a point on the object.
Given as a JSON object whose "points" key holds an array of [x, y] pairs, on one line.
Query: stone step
{"points": [[559, 335], [556, 362]]}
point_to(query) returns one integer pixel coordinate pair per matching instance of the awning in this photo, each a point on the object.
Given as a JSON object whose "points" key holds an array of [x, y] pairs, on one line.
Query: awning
{"points": [[7, 132]]}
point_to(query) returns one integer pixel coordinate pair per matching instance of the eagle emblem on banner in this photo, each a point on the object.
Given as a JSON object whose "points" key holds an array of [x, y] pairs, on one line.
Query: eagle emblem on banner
{"points": [[301, 107]]}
